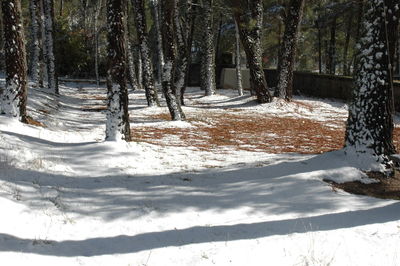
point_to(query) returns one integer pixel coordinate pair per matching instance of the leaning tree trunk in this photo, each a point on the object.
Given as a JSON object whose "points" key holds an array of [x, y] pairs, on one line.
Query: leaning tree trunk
{"points": [[183, 25], [117, 126], [168, 7], [148, 79], [35, 44], [288, 50], [369, 134], [239, 84], [13, 98], [48, 8], [250, 26], [208, 50]]}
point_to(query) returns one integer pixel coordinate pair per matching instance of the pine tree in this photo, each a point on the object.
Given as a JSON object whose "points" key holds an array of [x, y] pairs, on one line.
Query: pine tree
{"points": [[184, 19], [168, 8], [288, 48], [117, 126], [35, 44], [249, 17], [141, 29], [49, 56], [208, 60], [369, 133], [239, 84], [13, 98]]}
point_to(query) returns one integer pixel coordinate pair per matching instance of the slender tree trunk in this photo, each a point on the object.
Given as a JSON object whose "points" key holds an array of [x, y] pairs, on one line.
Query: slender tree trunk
{"points": [[156, 18], [61, 7], [141, 29], [347, 41], [288, 49], [192, 19], [13, 98], [183, 25], [360, 12], [117, 126], [168, 7], [239, 85], [250, 26], [208, 50], [319, 50], [43, 58], [131, 73], [139, 68], [332, 49], [97, 12], [49, 43], [369, 133], [35, 45]]}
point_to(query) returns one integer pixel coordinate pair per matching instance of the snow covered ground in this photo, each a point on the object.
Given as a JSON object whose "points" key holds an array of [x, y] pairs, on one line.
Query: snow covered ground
{"points": [[68, 198]]}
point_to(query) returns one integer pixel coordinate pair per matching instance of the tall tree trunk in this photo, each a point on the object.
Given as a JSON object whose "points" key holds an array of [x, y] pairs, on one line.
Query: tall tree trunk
{"points": [[183, 25], [208, 50], [360, 12], [192, 20], [97, 11], [239, 85], [347, 41], [141, 29], [117, 126], [35, 45], [250, 25], [331, 65], [160, 54], [168, 7], [369, 133], [43, 58], [319, 50], [288, 49], [13, 98], [131, 72], [52, 82]]}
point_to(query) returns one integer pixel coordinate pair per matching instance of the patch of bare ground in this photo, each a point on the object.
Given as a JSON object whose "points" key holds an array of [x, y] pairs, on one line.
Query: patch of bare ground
{"points": [[31, 121], [94, 108], [246, 132], [388, 187]]}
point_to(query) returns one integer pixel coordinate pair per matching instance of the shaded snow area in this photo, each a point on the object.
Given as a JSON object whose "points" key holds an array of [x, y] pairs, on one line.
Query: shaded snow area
{"points": [[69, 198]]}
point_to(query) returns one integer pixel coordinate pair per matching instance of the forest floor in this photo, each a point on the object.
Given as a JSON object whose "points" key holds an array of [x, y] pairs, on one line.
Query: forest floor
{"points": [[238, 183]]}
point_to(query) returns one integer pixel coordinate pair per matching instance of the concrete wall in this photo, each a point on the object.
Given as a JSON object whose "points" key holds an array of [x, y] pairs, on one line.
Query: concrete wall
{"points": [[312, 84]]}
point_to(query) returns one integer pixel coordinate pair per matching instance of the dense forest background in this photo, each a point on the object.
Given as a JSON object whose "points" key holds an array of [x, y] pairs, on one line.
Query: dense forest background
{"points": [[327, 40]]}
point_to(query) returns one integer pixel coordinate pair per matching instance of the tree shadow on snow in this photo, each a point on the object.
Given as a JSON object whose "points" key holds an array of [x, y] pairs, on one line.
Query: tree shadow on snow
{"points": [[124, 244]]}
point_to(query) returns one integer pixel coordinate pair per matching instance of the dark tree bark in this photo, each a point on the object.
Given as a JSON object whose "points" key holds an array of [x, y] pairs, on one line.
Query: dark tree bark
{"points": [[331, 64], [131, 72], [360, 12], [250, 25], [168, 8], [184, 26], [156, 17], [369, 133], [35, 42], [13, 98], [147, 69], [117, 126], [288, 48], [346, 69], [208, 53], [48, 9]]}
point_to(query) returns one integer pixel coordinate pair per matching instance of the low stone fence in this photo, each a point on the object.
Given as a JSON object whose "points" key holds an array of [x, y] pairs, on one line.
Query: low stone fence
{"points": [[307, 83]]}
